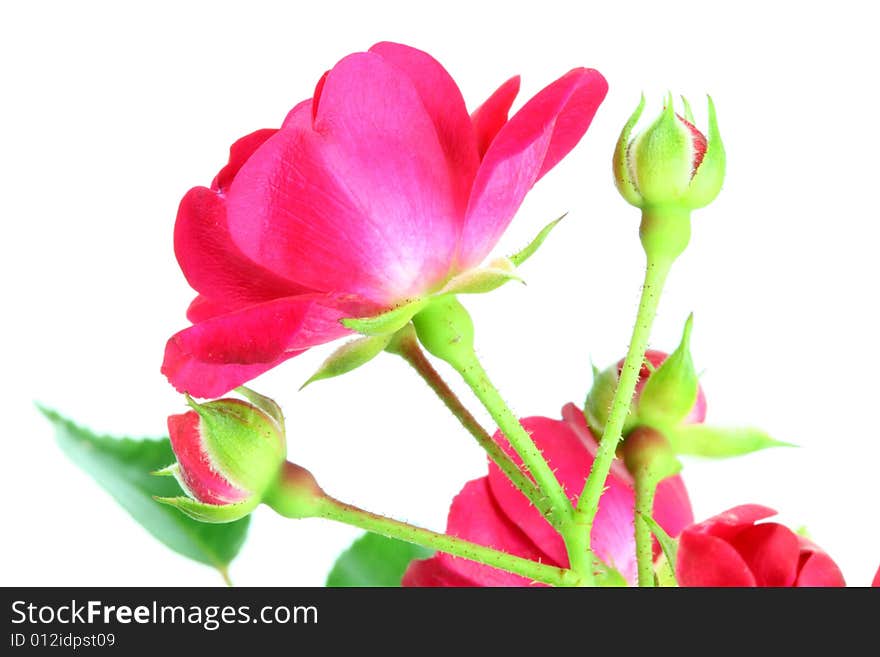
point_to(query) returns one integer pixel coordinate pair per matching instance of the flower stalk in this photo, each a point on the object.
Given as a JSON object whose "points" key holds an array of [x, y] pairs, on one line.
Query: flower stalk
{"points": [[405, 344], [298, 497]]}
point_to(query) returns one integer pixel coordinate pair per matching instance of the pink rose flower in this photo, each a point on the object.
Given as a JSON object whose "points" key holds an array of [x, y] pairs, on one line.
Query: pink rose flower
{"points": [[733, 549], [491, 511], [374, 192]]}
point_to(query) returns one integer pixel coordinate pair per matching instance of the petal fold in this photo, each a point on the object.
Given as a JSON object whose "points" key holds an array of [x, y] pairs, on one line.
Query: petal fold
{"points": [[525, 148], [475, 516], [362, 203], [491, 116], [212, 357]]}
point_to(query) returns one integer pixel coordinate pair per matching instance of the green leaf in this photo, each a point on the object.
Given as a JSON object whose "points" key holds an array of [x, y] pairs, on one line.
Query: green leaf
{"points": [[374, 560], [719, 443], [521, 256], [123, 467], [350, 356], [665, 569], [671, 390], [388, 322]]}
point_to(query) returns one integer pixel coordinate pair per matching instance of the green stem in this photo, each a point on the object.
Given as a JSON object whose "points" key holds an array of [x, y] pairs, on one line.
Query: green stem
{"points": [[477, 380], [405, 345], [350, 515], [588, 504], [645, 486]]}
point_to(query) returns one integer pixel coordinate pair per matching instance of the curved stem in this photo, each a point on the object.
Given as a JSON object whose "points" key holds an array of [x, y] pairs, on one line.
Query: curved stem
{"points": [[645, 486], [407, 347], [478, 381], [588, 504], [333, 509]]}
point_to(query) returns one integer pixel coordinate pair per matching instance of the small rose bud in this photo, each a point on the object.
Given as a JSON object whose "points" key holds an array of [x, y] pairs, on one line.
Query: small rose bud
{"points": [[671, 163], [598, 403], [229, 454], [668, 170]]}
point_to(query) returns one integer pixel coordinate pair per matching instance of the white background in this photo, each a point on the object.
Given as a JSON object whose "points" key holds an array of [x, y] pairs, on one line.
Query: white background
{"points": [[111, 112]]}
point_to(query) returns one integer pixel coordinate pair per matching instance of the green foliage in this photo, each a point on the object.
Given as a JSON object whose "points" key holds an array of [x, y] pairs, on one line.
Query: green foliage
{"points": [[374, 560], [123, 467]]}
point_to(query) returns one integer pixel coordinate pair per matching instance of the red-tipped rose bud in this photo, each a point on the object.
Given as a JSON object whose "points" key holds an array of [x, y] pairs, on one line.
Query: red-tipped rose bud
{"points": [[229, 454]]}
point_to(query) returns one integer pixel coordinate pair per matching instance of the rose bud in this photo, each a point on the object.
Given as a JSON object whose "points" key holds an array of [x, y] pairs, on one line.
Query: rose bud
{"points": [[674, 401], [229, 455], [671, 162], [733, 549], [668, 170]]}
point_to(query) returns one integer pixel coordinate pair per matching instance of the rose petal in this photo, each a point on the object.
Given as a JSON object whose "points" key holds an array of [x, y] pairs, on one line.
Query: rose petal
{"points": [[445, 106], [239, 153], [817, 568], [728, 524], [771, 551], [475, 516], [213, 265], [525, 148], [491, 116], [705, 560], [876, 581], [363, 203], [196, 469], [431, 572], [217, 355]]}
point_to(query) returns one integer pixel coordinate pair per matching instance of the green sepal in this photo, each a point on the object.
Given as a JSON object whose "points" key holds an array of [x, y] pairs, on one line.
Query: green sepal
{"points": [[661, 159], [668, 544], [374, 560], [245, 444], [671, 391], [350, 356], [521, 256], [269, 406], [719, 443], [211, 513], [606, 576], [620, 164], [597, 406], [709, 177], [388, 322], [688, 112], [482, 279]]}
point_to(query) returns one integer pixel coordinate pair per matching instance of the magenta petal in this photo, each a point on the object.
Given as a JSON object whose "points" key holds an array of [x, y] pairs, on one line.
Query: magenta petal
{"points": [[196, 469], [528, 145], [491, 116], [817, 568], [432, 573], [705, 560], [876, 581], [211, 262], [214, 356], [302, 115], [475, 516], [363, 203], [445, 105], [672, 506], [728, 524], [771, 552], [562, 450], [239, 153]]}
